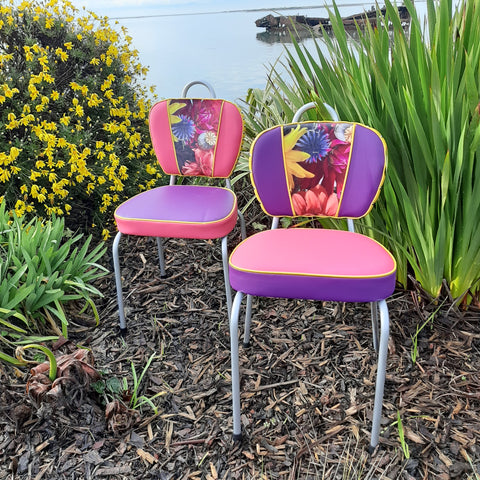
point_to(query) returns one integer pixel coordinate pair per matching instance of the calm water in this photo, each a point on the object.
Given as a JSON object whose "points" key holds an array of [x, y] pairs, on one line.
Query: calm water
{"points": [[185, 42]]}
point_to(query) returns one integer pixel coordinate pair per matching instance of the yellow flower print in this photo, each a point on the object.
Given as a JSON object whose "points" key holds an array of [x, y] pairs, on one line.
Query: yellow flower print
{"points": [[294, 157], [172, 108]]}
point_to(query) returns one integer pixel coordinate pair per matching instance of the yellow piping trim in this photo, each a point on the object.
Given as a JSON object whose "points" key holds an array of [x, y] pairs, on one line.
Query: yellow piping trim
{"points": [[314, 274], [354, 125], [234, 208], [285, 170], [216, 142], [171, 221], [171, 132]]}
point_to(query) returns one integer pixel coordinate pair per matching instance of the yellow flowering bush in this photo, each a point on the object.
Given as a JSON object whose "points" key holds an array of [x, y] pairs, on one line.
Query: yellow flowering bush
{"points": [[74, 135]]}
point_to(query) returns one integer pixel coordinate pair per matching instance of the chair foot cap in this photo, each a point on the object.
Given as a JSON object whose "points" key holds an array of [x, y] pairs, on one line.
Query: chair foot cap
{"points": [[246, 344], [237, 437], [163, 277], [371, 449], [123, 332]]}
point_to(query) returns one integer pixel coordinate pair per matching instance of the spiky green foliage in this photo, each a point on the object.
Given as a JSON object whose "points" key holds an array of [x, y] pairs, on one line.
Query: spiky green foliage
{"points": [[42, 269], [420, 87]]}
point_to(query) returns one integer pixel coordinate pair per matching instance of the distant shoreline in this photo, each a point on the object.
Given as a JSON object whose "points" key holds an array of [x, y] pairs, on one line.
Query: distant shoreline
{"points": [[243, 10]]}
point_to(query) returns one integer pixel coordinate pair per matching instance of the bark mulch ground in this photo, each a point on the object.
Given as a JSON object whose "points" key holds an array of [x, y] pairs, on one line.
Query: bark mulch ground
{"points": [[307, 387]]}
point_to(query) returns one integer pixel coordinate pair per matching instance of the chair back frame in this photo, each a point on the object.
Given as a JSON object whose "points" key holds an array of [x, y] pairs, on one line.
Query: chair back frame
{"points": [[202, 132]]}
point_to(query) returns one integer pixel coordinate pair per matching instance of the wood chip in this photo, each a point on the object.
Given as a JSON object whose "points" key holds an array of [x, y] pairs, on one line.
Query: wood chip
{"points": [[146, 456]]}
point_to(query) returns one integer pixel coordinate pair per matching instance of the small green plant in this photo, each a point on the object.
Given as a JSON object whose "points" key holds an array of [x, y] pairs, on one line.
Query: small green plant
{"points": [[401, 436], [136, 400], [52, 370], [431, 317], [41, 270], [475, 470], [112, 389]]}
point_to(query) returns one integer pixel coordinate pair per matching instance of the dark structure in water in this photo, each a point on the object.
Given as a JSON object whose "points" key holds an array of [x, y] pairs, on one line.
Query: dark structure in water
{"points": [[273, 23]]}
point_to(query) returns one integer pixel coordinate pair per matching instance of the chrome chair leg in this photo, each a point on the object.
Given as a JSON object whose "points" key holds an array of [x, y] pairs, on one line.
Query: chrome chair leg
{"points": [[118, 283], [161, 257], [226, 276], [374, 310], [381, 372], [248, 318], [237, 425], [243, 228]]}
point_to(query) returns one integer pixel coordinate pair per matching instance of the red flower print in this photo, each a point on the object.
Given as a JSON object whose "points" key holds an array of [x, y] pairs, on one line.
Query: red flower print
{"points": [[315, 201], [204, 158], [191, 168]]}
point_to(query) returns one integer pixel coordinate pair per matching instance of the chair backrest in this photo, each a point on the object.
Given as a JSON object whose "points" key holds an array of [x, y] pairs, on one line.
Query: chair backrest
{"points": [[196, 136], [325, 168]]}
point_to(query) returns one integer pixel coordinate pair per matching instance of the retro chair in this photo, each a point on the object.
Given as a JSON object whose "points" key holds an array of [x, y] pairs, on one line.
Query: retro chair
{"points": [[192, 137], [317, 169]]}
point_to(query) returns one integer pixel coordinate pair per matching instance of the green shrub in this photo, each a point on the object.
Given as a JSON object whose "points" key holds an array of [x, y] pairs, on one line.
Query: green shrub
{"points": [[420, 87], [73, 114], [41, 270]]}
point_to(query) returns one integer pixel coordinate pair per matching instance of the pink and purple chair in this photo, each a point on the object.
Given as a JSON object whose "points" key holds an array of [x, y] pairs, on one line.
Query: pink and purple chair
{"points": [[192, 137], [315, 169]]}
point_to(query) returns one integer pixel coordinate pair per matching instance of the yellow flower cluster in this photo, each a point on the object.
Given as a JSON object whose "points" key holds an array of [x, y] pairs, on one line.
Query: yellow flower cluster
{"points": [[75, 131]]}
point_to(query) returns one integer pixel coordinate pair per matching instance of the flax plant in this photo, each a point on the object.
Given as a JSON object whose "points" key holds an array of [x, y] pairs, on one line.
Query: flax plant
{"points": [[419, 85], [43, 268]]}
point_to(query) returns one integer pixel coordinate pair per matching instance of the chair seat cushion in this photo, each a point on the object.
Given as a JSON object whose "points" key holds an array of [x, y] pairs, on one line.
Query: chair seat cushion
{"points": [[179, 211], [315, 264]]}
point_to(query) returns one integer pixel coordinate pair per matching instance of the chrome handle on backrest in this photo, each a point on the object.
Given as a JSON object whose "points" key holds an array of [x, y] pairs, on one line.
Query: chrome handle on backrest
{"points": [[185, 90], [198, 82], [310, 105]]}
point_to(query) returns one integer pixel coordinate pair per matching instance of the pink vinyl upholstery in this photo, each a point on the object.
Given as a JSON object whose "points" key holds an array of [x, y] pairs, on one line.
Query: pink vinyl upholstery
{"points": [[313, 264]]}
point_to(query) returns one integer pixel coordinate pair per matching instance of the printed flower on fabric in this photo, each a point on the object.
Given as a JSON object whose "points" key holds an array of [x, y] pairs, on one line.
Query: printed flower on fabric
{"points": [[194, 125], [316, 160]]}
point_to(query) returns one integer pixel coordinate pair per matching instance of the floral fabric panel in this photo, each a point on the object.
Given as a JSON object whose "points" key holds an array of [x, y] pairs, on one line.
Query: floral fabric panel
{"points": [[316, 161], [194, 124]]}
